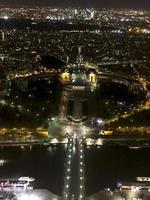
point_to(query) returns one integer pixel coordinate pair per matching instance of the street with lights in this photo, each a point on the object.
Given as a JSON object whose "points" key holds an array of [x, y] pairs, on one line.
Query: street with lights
{"points": [[74, 173]]}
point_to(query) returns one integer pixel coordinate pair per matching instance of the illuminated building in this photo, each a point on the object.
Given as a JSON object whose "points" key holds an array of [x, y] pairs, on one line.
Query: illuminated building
{"points": [[92, 77], [65, 76]]}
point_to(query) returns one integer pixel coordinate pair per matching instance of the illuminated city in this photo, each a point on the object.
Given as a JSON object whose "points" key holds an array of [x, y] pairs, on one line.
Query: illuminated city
{"points": [[74, 103]]}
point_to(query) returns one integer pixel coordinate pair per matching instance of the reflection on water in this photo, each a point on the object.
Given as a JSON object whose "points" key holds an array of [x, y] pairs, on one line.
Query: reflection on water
{"points": [[46, 166], [110, 164], [104, 166]]}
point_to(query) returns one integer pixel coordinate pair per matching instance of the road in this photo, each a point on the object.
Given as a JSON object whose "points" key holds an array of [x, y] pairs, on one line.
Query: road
{"points": [[74, 173], [145, 106]]}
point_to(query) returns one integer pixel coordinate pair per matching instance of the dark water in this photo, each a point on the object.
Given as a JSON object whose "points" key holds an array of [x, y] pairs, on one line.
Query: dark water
{"points": [[106, 166], [47, 167], [103, 167]]}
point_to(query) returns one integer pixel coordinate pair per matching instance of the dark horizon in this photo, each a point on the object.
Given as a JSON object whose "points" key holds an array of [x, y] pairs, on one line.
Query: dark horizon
{"points": [[133, 4]]}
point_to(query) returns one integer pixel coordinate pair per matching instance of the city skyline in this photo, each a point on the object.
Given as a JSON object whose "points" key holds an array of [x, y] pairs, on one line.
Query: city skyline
{"points": [[74, 100]]}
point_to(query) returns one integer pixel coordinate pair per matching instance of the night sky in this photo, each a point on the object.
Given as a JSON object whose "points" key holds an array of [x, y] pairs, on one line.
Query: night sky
{"points": [[82, 3]]}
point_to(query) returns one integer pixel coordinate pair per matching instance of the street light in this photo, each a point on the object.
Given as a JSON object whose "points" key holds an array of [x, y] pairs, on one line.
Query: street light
{"points": [[99, 121]]}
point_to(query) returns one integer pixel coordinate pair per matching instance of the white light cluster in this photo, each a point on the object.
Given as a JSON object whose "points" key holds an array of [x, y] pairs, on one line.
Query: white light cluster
{"points": [[26, 196]]}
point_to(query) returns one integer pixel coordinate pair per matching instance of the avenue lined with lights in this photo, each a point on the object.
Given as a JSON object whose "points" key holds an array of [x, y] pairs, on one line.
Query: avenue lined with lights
{"points": [[74, 173]]}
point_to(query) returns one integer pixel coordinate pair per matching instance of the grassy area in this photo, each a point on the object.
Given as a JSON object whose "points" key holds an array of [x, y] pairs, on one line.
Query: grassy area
{"points": [[116, 99], [31, 108]]}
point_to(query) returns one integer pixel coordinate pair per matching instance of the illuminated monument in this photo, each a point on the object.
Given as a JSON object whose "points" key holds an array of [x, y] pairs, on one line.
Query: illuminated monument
{"points": [[79, 73]]}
